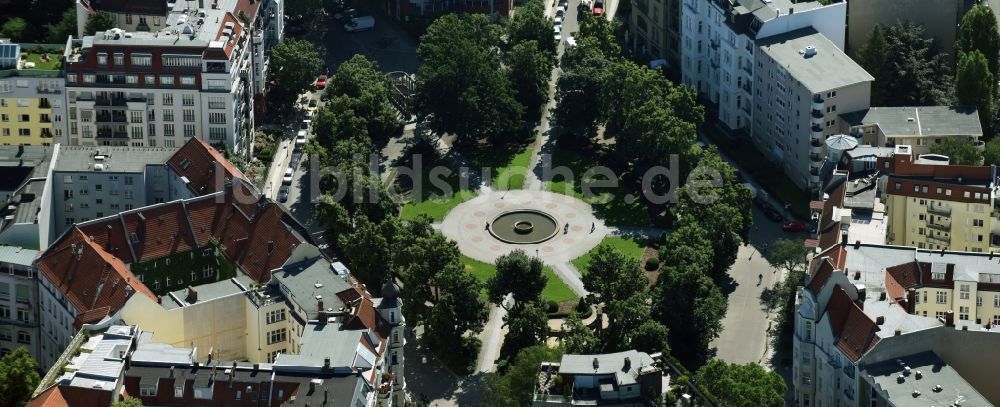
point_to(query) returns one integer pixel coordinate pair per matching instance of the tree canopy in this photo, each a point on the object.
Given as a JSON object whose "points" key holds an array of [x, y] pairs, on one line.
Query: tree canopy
{"points": [[992, 153], [128, 402], [99, 21], [66, 26], [907, 70], [520, 276], [960, 150], [978, 32], [18, 377], [515, 386], [747, 385], [294, 64], [360, 87], [688, 302], [787, 254], [612, 276], [975, 85], [14, 28]]}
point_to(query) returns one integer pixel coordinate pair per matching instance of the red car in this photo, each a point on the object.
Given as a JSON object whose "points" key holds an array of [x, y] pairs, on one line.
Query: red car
{"points": [[321, 82], [598, 9], [795, 226]]}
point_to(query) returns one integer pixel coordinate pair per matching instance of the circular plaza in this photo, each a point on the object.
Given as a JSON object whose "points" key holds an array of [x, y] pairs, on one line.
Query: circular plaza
{"points": [[555, 227]]}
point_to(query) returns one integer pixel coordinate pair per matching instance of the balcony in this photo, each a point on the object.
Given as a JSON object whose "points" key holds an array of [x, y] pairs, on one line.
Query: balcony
{"points": [[940, 224], [817, 113], [939, 240], [939, 210], [44, 104], [112, 134], [817, 106], [54, 91], [714, 43], [747, 88], [110, 101], [815, 147], [110, 118]]}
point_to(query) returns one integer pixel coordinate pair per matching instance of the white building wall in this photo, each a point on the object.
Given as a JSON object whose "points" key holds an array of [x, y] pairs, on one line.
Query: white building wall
{"points": [[56, 322]]}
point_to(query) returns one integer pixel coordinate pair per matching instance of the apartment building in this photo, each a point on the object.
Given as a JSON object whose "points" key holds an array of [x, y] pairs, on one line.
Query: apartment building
{"points": [[32, 105], [201, 74], [25, 194], [932, 205], [129, 15], [802, 80], [916, 126], [657, 28], [719, 43], [613, 379], [876, 324], [121, 359], [18, 297]]}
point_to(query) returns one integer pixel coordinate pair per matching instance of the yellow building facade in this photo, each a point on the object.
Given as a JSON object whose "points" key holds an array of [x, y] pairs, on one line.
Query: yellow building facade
{"points": [[32, 105], [937, 224]]}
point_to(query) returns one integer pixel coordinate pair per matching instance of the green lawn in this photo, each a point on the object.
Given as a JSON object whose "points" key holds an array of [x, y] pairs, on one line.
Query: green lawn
{"points": [[611, 203], [511, 176], [431, 200], [52, 64], [177, 271], [435, 208], [555, 289], [630, 247]]}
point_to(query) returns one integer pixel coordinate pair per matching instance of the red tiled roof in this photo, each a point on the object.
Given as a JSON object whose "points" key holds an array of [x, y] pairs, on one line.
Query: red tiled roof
{"points": [[91, 317], [160, 231], [70, 396], [203, 166], [90, 277], [901, 277], [855, 333], [364, 314], [822, 273], [110, 235]]}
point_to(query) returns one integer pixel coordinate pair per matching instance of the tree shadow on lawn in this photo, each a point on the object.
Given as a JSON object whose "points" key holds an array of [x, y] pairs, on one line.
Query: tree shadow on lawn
{"points": [[428, 379]]}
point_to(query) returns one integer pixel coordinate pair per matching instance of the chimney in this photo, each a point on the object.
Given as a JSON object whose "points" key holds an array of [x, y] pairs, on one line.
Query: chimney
{"points": [[898, 332], [628, 364], [171, 372], [790, 11], [880, 320], [256, 366], [843, 237], [326, 363], [321, 310], [192, 294], [911, 300], [949, 318], [201, 3]]}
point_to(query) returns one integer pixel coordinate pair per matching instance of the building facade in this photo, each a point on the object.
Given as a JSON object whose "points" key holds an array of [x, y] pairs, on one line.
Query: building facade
{"points": [[657, 28], [916, 126], [801, 81], [18, 301], [939, 206], [719, 43], [201, 74], [32, 105]]}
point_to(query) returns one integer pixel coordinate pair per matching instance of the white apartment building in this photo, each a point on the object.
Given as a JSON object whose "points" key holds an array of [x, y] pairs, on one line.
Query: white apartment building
{"points": [[720, 39], [18, 301], [200, 74], [801, 81]]}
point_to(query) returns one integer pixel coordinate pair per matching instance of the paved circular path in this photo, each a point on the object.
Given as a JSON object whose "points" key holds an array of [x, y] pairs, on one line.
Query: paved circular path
{"points": [[466, 225]]}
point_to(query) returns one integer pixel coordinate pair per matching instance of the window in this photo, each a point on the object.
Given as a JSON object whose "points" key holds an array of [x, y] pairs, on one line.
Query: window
{"points": [[191, 61], [166, 80], [275, 316], [188, 115], [963, 291], [119, 58], [979, 301], [187, 80], [996, 300], [277, 336], [217, 118], [102, 58], [239, 394], [6, 335], [132, 79], [148, 391], [168, 115], [129, 194], [129, 180], [216, 102], [963, 313], [141, 59], [977, 223], [937, 276], [168, 99], [89, 78], [187, 100], [271, 357], [4, 312], [179, 389], [24, 132], [188, 130], [22, 315], [136, 117], [23, 337], [217, 133], [168, 130], [942, 297]]}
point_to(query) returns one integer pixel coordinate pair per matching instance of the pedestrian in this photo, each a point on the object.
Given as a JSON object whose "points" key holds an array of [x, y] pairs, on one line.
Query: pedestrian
{"points": [[593, 226], [566, 229], [760, 279], [487, 225]]}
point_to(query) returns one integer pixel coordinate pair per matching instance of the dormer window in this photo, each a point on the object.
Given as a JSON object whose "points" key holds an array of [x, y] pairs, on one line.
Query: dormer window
{"points": [[937, 276]]}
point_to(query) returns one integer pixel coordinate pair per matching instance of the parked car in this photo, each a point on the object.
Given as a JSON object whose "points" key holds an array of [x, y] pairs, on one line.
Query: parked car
{"points": [[361, 23], [312, 105], [283, 194], [771, 213], [558, 32], [300, 139], [305, 124], [287, 179], [598, 8], [795, 226], [321, 82]]}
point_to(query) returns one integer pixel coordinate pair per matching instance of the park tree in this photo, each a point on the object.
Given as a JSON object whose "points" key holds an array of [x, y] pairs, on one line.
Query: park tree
{"points": [[578, 91], [529, 326], [99, 22], [530, 69], [304, 8], [529, 23], [912, 73], [15, 28], [18, 377], [294, 64], [747, 385], [688, 302], [461, 87], [978, 32], [975, 85], [688, 245], [128, 402], [362, 88], [520, 276], [578, 338], [605, 32], [624, 318], [45, 12], [333, 216], [66, 26], [366, 249], [650, 337], [515, 386], [992, 153], [612, 276], [960, 150], [457, 311]]}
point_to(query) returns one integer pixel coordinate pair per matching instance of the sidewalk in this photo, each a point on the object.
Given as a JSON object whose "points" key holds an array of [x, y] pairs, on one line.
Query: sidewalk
{"points": [[282, 157]]}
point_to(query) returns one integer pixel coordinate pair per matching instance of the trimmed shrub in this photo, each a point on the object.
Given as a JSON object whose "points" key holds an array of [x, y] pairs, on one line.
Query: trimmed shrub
{"points": [[652, 264]]}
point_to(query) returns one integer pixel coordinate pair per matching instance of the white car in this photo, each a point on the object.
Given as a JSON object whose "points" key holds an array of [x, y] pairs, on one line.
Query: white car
{"points": [[558, 37], [560, 10], [560, 13], [287, 179], [300, 139], [557, 28], [559, 20]]}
